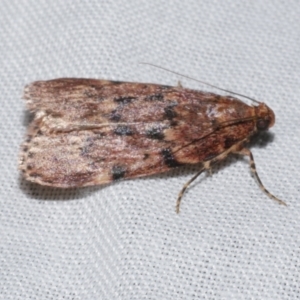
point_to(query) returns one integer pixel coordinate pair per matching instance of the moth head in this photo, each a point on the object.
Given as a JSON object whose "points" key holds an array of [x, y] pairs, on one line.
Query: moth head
{"points": [[265, 117]]}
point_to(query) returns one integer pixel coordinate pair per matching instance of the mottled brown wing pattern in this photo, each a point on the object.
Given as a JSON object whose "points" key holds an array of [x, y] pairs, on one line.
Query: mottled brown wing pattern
{"points": [[89, 132]]}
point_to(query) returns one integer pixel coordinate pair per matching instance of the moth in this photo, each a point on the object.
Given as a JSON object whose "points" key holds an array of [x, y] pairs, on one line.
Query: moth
{"points": [[91, 132]]}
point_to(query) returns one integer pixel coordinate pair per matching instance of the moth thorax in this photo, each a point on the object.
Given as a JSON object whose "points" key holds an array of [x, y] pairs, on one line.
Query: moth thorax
{"points": [[265, 117]]}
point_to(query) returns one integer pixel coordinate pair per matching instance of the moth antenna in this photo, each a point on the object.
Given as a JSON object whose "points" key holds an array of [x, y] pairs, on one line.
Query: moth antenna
{"points": [[200, 81]]}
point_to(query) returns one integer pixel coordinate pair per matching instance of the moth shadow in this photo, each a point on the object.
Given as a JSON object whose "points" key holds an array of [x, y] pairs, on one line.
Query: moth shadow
{"points": [[261, 139], [27, 118]]}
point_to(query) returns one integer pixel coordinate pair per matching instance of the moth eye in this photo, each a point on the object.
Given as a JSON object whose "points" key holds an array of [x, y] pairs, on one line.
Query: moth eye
{"points": [[262, 124]]}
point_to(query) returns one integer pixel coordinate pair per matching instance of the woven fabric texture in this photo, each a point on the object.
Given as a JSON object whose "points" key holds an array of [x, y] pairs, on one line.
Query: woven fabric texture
{"points": [[124, 240]]}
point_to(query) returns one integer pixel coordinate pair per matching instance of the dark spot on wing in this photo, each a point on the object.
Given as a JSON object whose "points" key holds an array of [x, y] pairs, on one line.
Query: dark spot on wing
{"points": [[170, 113], [169, 159], [118, 172], [123, 130], [215, 124], [146, 156], [89, 143], [35, 175], [28, 139], [155, 133], [124, 100], [164, 87], [115, 116], [229, 142], [85, 150], [89, 140], [218, 98], [173, 123], [155, 97]]}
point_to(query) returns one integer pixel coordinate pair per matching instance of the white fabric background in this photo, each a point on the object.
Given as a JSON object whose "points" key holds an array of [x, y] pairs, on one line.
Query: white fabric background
{"points": [[124, 241]]}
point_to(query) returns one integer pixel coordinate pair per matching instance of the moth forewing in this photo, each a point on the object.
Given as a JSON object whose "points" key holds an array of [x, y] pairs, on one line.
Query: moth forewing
{"points": [[91, 132]]}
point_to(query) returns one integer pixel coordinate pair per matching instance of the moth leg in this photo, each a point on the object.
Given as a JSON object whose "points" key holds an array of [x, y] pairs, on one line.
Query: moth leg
{"points": [[185, 187], [248, 153]]}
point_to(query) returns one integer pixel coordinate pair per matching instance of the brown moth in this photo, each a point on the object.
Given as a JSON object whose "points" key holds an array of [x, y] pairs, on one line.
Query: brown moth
{"points": [[91, 132]]}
